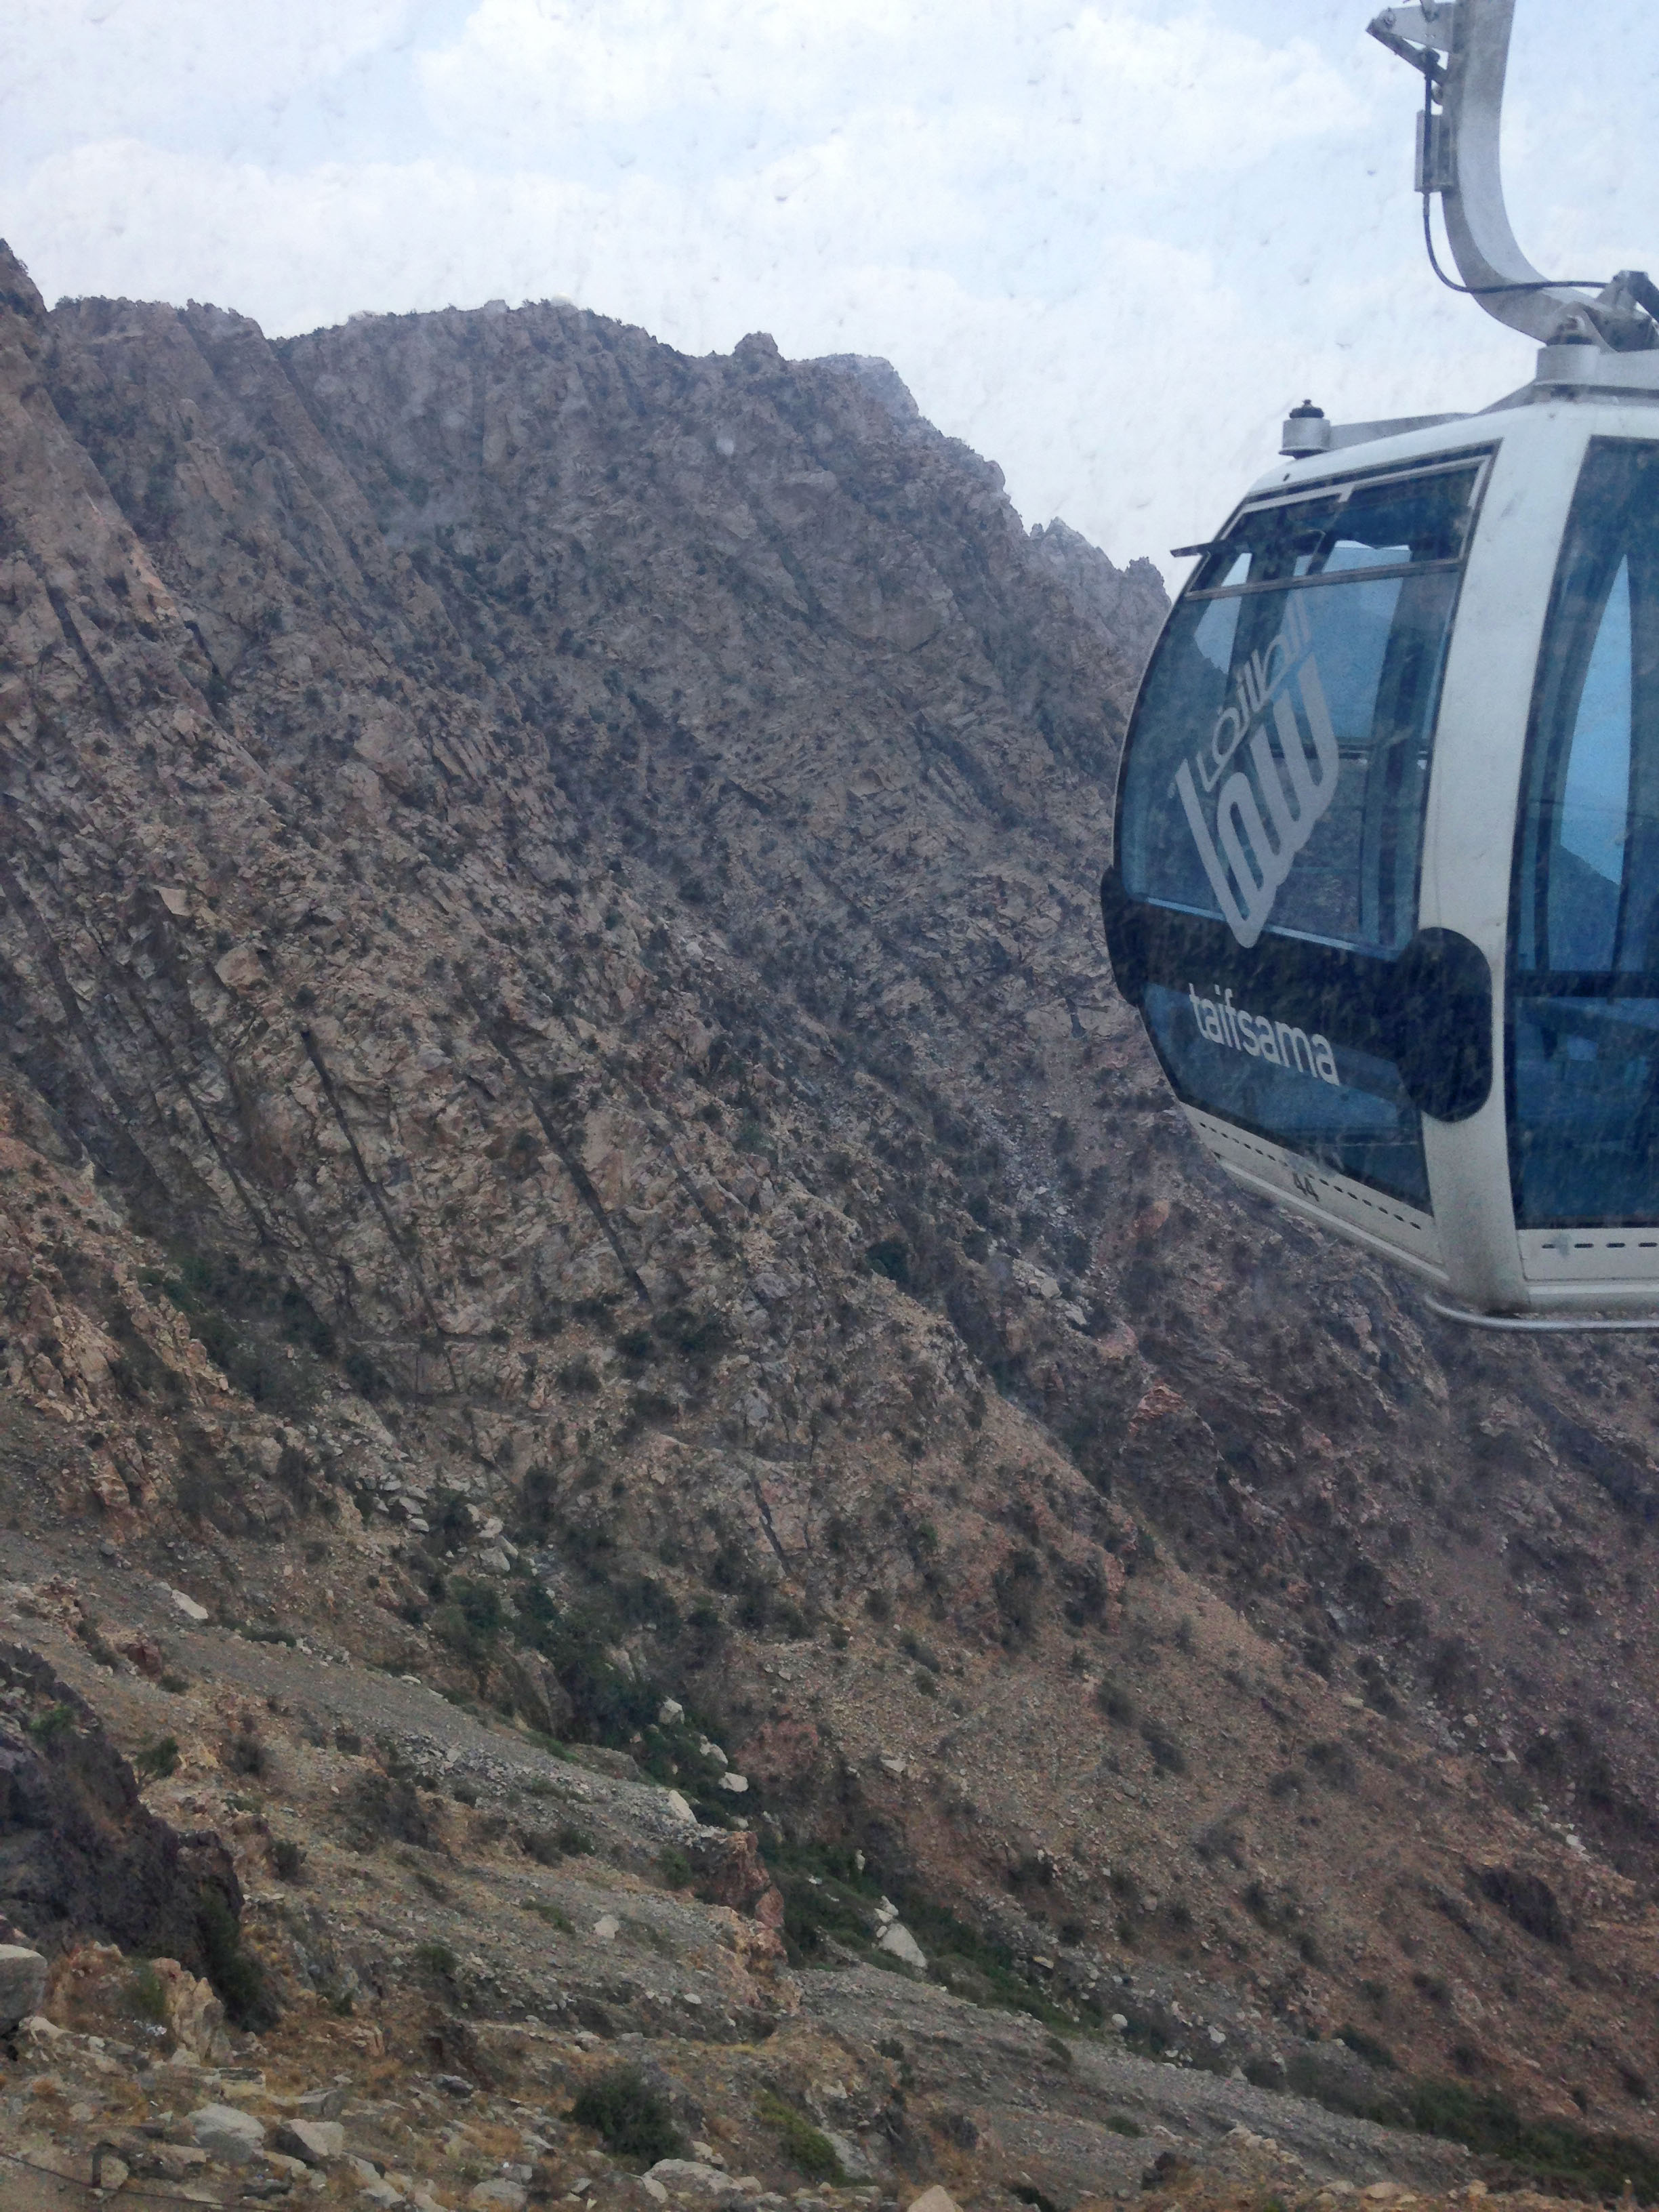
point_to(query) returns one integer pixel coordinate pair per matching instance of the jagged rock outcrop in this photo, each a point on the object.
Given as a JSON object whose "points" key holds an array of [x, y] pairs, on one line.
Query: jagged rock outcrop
{"points": [[81, 1857], [1127, 604], [22, 1983]]}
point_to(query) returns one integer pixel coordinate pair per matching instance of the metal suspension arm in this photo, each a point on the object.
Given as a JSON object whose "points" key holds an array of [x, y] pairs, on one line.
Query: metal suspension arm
{"points": [[1458, 157]]}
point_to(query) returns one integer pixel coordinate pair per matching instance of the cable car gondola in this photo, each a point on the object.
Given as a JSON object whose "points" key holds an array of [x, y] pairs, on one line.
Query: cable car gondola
{"points": [[1385, 883]]}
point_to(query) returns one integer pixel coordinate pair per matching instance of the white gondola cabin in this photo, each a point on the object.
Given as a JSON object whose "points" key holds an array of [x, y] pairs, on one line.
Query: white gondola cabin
{"points": [[1385, 876]]}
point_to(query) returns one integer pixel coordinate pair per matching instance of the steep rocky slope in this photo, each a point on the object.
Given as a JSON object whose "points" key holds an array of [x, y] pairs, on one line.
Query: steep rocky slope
{"points": [[568, 1133]]}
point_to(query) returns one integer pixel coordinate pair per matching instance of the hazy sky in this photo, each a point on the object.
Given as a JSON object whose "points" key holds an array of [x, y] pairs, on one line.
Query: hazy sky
{"points": [[1107, 244]]}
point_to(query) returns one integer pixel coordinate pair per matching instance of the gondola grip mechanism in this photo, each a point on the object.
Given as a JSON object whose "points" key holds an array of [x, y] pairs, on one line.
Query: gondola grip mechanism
{"points": [[1428, 26]]}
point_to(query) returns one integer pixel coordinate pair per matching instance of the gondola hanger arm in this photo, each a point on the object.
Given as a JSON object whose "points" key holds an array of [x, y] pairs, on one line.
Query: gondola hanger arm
{"points": [[1459, 158]]}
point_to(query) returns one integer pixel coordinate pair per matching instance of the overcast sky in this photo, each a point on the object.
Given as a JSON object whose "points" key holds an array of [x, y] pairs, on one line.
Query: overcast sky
{"points": [[1107, 244]]}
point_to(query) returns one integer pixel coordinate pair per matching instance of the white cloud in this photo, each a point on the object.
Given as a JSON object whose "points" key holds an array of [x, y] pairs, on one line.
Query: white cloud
{"points": [[1107, 244], [1137, 101], [98, 67]]}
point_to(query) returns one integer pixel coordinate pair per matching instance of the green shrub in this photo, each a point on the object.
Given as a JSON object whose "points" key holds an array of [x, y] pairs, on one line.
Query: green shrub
{"points": [[238, 1978], [630, 2117], [609, 1707], [1334, 1764], [58, 1720], [549, 1913], [435, 1962], [364, 1376], [674, 1867], [147, 1996], [547, 1846], [1016, 1585], [829, 1901], [1557, 2149], [471, 1618], [807, 2150], [245, 1754], [1168, 1756], [387, 1809], [708, 1630], [98, 1644], [1367, 2047], [1114, 1702], [158, 1759], [975, 1966], [697, 1336]]}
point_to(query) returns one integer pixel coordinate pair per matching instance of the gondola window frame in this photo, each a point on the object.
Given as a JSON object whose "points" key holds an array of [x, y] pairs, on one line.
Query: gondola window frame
{"points": [[1566, 1024]]}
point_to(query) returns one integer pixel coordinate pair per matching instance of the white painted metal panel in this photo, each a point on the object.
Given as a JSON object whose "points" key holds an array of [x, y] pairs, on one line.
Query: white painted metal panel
{"points": [[1383, 1225]]}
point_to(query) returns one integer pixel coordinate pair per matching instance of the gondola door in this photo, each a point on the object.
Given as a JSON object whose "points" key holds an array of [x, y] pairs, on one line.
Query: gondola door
{"points": [[1583, 1016]]}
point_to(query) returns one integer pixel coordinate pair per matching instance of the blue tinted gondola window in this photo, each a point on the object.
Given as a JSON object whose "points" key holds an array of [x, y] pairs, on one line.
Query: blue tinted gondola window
{"points": [[1584, 1043], [1597, 796], [1280, 755]]}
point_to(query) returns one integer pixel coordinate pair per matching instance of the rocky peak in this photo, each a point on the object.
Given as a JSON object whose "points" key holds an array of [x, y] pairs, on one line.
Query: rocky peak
{"points": [[883, 379], [1129, 604]]}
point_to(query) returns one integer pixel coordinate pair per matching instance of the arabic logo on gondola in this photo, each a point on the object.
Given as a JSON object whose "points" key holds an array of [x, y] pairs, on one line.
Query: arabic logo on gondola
{"points": [[1256, 850]]}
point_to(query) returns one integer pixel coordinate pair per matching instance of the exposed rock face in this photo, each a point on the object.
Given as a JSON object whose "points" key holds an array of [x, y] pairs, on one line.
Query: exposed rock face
{"points": [[730, 1871], [22, 1983], [881, 379], [315, 2142], [559, 1051], [1127, 604], [80, 1855], [93, 1983], [227, 2134]]}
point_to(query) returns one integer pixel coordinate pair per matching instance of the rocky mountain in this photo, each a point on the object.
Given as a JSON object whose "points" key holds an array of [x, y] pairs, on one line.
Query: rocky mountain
{"points": [[567, 1135]]}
